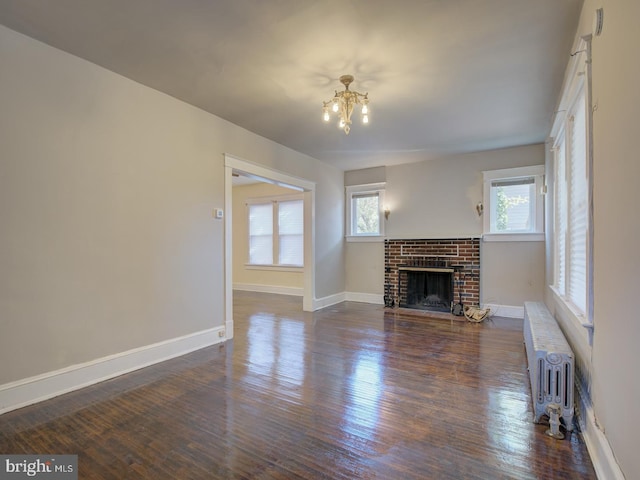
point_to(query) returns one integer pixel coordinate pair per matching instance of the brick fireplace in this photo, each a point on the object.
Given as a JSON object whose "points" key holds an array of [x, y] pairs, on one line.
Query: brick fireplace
{"points": [[442, 269]]}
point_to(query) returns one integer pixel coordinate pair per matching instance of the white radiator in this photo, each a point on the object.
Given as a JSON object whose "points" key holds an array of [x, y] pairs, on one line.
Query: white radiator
{"points": [[551, 363]]}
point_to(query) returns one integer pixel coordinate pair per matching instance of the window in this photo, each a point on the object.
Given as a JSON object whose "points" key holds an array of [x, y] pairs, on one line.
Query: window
{"points": [[571, 206], [276, 231], [513, 203], [365, 205]]}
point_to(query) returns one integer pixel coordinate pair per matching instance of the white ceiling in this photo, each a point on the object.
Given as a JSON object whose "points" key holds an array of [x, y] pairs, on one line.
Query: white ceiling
{"points": [[443, 76]]}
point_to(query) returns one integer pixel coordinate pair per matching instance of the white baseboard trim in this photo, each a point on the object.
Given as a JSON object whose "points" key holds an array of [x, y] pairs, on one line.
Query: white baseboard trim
{"points": [[35, 389], [279, 290], [229, 329], [508, 311], [377, 299], [324, 302], [602, 457]]}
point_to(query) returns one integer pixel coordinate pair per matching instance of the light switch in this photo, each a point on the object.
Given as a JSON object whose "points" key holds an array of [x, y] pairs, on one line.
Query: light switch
{"points": [[218, 213]]}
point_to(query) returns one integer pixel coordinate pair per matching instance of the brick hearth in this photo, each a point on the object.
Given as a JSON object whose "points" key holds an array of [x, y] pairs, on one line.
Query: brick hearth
{"points": [[463, 254]]}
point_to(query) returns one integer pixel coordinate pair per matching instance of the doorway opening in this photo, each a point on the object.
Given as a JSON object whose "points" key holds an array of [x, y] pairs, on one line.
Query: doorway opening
{"points": [[259, 173]]}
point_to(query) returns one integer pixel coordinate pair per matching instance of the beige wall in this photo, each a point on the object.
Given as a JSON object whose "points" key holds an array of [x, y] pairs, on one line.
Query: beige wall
{"points": [[437, 199], [611, 376], [106, 195], [242, 276], [512, 273], [365, 267]]}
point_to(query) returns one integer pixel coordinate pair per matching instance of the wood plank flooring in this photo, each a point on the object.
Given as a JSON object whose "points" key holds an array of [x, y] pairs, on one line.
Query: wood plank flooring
{"points": [[354, 391]]}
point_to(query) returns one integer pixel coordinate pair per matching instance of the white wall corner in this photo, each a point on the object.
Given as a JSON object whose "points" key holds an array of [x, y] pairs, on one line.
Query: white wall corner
{"points": [[35, 389], [276, 289], [508, 311], [324, 302]]}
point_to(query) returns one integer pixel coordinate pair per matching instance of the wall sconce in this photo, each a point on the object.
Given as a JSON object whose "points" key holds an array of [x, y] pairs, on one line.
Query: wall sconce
{"points": [[387, 211], [479, 208]]}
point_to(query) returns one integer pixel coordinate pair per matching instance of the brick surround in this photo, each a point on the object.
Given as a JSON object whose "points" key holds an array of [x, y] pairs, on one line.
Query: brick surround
{"points": [[462, 254]]}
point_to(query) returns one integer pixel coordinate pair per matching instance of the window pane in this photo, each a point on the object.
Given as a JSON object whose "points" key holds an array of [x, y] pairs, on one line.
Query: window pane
{"points": [[577, 199], [366, 214], [291, 250], [561, 216], [291, 228], [290, 217], [261, 234], [261, 250], [512, 203]]}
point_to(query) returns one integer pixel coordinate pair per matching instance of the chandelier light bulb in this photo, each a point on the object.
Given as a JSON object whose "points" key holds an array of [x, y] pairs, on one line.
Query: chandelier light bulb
{"points": [[343, 104]]}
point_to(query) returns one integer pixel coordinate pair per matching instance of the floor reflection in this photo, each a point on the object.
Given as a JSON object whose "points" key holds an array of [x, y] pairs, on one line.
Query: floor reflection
{"points": [[275, 348], [365, 390]]}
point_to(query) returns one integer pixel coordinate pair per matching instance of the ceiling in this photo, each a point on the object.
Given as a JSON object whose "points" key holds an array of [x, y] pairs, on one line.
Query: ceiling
{"points": [[443, 76]]}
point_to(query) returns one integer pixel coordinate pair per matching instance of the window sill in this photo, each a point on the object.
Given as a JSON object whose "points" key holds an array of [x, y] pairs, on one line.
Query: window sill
{"points": [[578, 319], [273, 268], [513, 237], [365, 238]]}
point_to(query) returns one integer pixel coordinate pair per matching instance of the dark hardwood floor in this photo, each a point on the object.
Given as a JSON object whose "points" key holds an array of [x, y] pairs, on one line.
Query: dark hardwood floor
{"points": [[353, 391]]}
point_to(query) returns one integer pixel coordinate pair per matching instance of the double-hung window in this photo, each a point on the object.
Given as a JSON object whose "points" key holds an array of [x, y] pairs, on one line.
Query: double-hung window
{"points": [[571, 222], [276, 231], [365, 212], [513, 203]]}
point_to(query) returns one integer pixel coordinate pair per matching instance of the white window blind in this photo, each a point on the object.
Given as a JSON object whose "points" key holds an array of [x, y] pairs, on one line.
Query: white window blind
{"points": [[577, 235], [276, 231], [261, 234], [571, 207], [290, 230], [514, 201], [560, 215], [513, 204]]}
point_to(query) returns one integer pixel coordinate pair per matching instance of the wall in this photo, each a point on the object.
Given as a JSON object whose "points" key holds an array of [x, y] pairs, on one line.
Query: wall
{"points": [[616, 76], [252, 279], [106, 196], [612, 391], [437, 199], [364, 267]]}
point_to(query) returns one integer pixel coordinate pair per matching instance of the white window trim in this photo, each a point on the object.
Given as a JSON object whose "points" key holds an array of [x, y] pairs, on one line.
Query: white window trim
{"points": [[351, 191], [579, 78], [274, 267], [535, 171]]}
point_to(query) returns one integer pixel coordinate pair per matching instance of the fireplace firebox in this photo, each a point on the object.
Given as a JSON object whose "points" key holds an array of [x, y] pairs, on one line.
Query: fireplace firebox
{"points": [[427, 288], [450, 273]]}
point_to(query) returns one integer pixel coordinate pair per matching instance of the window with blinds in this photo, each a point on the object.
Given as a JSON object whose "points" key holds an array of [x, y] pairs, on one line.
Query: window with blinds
{"points": [[261, 234], [290, 233], [571, 207], [514, 201], [276, 232], [514, 204]]}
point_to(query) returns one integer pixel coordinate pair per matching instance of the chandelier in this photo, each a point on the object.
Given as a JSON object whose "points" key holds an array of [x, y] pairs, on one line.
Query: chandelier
{"points": [[343, 103]]}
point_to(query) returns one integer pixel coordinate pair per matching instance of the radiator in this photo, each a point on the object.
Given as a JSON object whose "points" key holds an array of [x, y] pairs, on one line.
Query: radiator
{"points": [[551, 363]]}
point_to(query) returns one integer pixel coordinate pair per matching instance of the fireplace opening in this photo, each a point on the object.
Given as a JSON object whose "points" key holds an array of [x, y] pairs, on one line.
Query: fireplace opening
{"points": [[427, 288]]}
